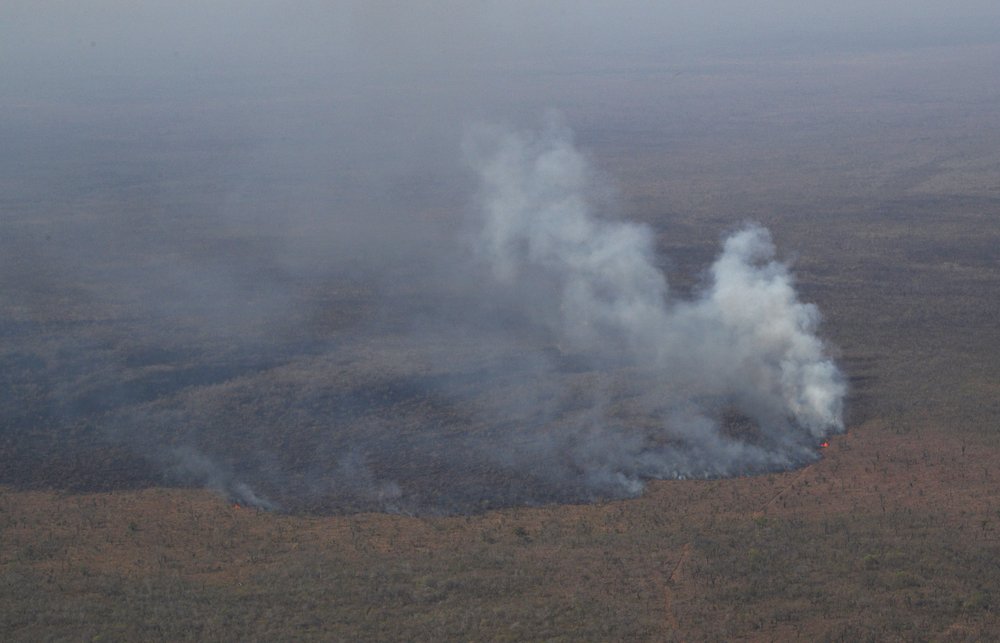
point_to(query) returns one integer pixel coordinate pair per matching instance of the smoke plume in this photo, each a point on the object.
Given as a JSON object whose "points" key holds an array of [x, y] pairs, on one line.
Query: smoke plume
{"points": [[732, 381]]}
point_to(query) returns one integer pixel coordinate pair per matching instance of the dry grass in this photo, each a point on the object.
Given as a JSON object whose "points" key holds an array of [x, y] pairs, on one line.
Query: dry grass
{"points": [[891, 535]]}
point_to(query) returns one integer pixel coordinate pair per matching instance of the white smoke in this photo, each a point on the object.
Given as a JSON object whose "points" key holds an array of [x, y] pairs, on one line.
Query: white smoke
{"points": [[190, 464], [744, 347]]}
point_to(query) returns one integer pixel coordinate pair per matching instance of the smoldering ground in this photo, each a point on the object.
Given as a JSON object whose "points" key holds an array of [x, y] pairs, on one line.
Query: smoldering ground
{"points": [[527, 353]]}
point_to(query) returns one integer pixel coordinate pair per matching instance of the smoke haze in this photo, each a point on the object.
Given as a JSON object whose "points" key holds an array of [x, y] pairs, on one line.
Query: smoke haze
{"points": [[288, 254], [539, 356]]}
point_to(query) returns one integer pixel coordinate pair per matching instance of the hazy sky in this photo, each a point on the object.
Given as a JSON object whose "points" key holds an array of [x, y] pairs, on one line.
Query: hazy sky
{"points": [[109, 36], [111, 52]]}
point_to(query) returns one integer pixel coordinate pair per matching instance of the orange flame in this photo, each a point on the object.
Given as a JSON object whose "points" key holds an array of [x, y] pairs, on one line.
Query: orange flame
{"points": [[824, 445]]}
